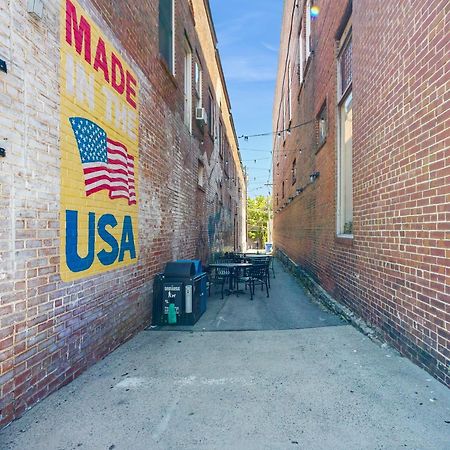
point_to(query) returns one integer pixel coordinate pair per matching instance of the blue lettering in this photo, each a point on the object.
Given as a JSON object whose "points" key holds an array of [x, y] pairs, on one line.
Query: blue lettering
{"points": [[107, 258], [75, 262], [127, 241]]}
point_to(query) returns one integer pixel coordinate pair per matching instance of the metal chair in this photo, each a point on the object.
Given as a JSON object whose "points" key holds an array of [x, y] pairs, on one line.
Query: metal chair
{"points": [[257, 275], [220, 275], [263, 262]]}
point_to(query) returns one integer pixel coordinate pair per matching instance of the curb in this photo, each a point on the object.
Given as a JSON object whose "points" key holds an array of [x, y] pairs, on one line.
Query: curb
{"points": [[318, 294]]}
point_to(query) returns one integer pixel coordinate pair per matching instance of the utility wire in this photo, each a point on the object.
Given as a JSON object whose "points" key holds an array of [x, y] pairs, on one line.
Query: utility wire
{"points": [[287, 130]]}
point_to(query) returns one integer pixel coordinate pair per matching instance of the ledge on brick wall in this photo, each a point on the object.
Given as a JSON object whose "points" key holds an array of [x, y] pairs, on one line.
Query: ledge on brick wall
{"points": [[318, 294], [168, 71]]}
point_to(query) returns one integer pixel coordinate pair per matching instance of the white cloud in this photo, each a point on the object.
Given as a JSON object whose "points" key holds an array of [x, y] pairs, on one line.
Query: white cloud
{"points": [[246, 68]]}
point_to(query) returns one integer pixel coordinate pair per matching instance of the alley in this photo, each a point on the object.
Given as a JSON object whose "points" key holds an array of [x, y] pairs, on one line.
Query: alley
{"points": [[303, 379]]}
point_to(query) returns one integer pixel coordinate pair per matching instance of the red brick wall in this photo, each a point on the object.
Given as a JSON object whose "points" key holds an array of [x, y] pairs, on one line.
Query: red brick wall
{"points": [[395, 272], [50, 330]]}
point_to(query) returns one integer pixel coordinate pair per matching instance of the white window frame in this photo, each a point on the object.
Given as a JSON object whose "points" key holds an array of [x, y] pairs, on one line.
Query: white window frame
{"points": [[289, 99], [343, 97], [301, 62], [308, 29], [188, 85], [212, 113], [198, 82]]}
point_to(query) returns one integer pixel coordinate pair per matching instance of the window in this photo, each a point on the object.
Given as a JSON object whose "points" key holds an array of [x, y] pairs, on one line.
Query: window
{"points": [[188, 85], [308, 29], [198, 75], [344, 141], [282, 190], [289, 107], [322, 125], [211, 114], [220, 137], [201, 174], [301, 54], [166, 22], [294, 171]]}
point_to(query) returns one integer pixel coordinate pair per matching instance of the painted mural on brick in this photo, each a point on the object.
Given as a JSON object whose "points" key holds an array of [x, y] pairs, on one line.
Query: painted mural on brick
{"points": [[99, 150]]}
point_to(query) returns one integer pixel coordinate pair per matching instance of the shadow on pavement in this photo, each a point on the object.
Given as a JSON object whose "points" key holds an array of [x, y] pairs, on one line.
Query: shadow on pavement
{"points": [[287, 308]]}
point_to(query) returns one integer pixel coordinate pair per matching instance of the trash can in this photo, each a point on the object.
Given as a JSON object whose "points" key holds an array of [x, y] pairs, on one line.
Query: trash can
{"points": [[183, 284]]}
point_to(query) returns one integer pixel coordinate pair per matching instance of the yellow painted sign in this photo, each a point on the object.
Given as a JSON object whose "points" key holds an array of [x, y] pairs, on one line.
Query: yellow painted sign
{"points": [[99, 150]]}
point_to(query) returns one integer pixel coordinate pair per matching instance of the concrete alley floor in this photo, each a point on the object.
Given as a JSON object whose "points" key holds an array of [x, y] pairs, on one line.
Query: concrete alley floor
{"points": [[302, 380]]}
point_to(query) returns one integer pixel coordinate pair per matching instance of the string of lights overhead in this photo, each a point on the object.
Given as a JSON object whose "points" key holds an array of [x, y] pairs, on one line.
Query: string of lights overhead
{"points": [[286, 130]]}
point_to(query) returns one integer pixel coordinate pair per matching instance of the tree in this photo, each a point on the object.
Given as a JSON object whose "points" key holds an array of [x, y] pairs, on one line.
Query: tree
{"points": [[257, 219]]}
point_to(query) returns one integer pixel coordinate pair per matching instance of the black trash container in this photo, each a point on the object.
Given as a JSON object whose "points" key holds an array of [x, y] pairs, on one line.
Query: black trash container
{"points": [[182, 285]]}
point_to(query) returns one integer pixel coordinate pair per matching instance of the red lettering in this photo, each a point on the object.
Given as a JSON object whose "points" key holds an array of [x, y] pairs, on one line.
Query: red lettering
{"points": [[81, 31], [131, 90], [100, 59], [116, 64]]}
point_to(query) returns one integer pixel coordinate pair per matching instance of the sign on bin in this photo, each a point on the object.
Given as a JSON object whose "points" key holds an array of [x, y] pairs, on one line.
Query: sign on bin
{"points": [[172, 293]]}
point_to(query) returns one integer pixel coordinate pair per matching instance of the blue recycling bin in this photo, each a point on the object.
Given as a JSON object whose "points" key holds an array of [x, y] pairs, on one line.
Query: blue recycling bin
{"points": [[201, 282]]}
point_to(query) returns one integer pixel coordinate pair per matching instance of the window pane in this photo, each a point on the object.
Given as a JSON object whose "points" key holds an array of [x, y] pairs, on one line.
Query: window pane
{"points": [[346, 166], [346, 65], [165, 31]]}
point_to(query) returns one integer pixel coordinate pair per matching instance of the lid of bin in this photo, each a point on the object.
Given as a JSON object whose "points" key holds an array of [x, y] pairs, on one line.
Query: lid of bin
{"points": [[179, 269], [196, 262]]}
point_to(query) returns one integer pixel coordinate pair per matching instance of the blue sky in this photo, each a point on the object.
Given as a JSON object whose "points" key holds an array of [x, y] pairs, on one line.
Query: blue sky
{"points": [[248, 32]]}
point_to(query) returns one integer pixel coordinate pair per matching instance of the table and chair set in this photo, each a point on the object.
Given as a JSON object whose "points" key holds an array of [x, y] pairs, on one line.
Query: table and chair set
{"points": [[236, 270]]}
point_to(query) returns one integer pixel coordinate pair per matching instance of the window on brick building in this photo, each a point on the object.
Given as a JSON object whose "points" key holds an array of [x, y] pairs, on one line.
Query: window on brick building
{"points": [[345, 133], [294, 171], [220, 137], [198, 76], [211, 114], [301, 54], [187, 85], [308, 29], [166, 22], [289, 96], [322, 125], [201, 175], [282, 189]]}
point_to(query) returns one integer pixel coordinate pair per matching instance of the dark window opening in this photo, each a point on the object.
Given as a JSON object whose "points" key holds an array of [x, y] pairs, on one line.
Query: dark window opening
{"points": [[166, 31]]}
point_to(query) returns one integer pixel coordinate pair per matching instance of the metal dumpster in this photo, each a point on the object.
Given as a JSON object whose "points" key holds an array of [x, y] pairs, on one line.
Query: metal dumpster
{"points": [[183, 284]]}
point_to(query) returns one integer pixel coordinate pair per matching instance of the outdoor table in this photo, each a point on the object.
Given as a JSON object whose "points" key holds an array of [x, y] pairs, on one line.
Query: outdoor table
{"points": [[255, 257], [234, 267]]}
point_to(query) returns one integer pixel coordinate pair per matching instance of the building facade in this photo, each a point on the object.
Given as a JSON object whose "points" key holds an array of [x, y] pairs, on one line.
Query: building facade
{"points": [[362, 203], [118, 154]]}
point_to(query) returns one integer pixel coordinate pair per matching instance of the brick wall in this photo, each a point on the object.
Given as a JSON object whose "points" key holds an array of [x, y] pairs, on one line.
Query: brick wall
{"points": [[51, 330], [395, 271]]}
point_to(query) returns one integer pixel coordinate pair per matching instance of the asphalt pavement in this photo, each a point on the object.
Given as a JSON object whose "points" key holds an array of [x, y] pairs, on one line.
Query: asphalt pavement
{"points": [[276, 373]]}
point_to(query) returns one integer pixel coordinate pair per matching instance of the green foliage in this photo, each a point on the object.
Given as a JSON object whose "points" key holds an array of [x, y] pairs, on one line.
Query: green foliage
{"points": [[257, 218]]}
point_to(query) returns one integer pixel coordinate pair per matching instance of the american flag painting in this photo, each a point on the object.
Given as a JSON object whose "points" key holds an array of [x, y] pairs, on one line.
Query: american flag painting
{"points": [[107, 165]]}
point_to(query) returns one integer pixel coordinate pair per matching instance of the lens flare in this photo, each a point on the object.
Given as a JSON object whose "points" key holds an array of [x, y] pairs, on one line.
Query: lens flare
{"points": [[315, 11]]}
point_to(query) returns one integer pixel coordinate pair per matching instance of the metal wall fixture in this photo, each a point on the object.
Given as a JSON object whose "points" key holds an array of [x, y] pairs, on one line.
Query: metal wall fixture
{"points": [[35, 8], [313, 177], [3, 67]]}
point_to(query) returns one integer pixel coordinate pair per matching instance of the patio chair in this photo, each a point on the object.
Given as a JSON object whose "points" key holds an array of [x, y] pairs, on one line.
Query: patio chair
{"points": [[218, 276], [263, 262], [256, 275]]}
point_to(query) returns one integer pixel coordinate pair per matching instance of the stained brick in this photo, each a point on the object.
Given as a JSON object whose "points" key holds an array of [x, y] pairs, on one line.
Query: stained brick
{"points": [[175, 216], [401, 164]]}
